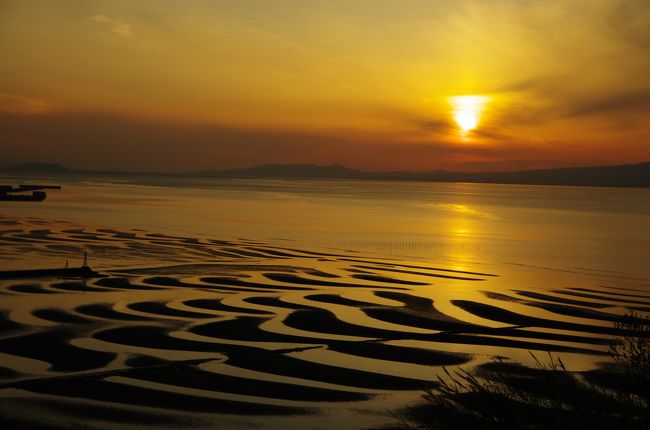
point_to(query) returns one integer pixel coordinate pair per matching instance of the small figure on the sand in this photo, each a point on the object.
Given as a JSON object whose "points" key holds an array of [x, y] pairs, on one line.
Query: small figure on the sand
{"points": [[66, 273]]}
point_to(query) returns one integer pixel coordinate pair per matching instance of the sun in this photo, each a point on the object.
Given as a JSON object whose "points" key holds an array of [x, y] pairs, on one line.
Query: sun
{"points": [[467, 111]]}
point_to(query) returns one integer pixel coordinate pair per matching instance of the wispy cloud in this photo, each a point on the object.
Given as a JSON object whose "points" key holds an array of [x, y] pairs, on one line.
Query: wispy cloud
{"points": [[98, 140], [19, 104], [118, 27], [636, 101]]}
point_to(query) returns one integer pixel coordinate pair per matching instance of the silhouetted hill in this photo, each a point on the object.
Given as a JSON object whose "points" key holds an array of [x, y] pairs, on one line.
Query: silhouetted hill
{"points": [[628, 175]]}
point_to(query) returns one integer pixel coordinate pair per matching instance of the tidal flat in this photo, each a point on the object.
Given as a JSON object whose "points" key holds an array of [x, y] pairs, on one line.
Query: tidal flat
{"points": [[301, 304]]}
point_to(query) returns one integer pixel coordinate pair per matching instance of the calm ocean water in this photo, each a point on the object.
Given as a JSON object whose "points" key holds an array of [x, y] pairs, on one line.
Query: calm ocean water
{"points": [[282, 297], [562, 228]]}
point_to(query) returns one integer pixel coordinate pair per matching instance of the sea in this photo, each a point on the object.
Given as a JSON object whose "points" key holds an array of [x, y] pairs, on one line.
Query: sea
{"points": [[301, 303]]}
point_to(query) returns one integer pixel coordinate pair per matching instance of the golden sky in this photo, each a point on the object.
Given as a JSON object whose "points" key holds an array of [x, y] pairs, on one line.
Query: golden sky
{"points": [[196, 84]]}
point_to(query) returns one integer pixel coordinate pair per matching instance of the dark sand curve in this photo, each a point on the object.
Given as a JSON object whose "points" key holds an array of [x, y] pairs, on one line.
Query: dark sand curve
{"points": [[242, 328]]}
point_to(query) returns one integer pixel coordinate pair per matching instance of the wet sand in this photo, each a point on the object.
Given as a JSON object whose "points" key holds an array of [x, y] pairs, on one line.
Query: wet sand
{"points": [[229, 334]]}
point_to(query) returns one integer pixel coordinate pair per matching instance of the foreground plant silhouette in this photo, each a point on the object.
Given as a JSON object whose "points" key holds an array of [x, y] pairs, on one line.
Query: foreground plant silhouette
{"points": [[502, 395], [632, 351]]}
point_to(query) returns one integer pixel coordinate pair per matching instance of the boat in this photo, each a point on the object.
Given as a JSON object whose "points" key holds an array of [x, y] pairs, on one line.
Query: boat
{"points": [[21, 193]]}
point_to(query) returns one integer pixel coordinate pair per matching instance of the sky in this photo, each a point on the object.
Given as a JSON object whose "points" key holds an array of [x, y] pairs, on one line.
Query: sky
{"points": [[184, 85]]}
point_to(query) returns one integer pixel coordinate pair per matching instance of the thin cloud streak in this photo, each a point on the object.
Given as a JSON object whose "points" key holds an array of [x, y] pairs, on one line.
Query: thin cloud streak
{"points": [[13, 103], [103, 141], [117, 27]]}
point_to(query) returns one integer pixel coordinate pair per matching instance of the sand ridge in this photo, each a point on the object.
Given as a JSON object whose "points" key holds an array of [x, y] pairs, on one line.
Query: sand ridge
{"points": [[317, 328]]}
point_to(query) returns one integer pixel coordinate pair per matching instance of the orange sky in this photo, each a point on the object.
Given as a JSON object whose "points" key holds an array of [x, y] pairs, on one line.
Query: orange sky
{"points": [[170, 85]]}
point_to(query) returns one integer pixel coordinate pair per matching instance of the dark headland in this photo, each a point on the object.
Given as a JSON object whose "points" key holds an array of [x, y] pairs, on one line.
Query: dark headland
{"points": [[626, 175]]}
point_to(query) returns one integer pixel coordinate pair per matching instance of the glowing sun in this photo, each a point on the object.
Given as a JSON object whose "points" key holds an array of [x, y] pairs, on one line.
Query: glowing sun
{"points": [[467, 111]]}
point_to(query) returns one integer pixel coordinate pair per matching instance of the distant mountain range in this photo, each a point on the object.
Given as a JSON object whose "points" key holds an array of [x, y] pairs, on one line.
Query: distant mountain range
{"points": [[627, 175]]}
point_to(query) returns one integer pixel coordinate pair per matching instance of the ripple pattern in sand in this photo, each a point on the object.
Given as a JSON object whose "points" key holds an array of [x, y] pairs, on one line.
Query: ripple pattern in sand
{"points": [[253, 328]]}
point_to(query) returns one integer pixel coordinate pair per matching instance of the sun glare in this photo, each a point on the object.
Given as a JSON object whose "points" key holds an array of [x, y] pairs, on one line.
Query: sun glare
{"points": [[467, 111]]}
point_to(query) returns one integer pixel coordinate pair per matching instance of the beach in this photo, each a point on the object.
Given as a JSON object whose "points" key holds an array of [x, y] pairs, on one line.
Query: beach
{"points": [[301, 304]]}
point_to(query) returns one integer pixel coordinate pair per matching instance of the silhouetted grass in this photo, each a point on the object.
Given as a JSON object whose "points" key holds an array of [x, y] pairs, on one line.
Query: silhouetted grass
{"points": [[632, 349], [502, 395]]}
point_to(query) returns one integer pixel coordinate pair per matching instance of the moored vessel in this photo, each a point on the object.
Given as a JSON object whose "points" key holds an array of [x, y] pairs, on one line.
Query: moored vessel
{"points": [[21, 192]]}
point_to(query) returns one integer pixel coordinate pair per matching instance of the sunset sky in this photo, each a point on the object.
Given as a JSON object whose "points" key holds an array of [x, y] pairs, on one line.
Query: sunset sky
{"points": [[171, 85]]}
